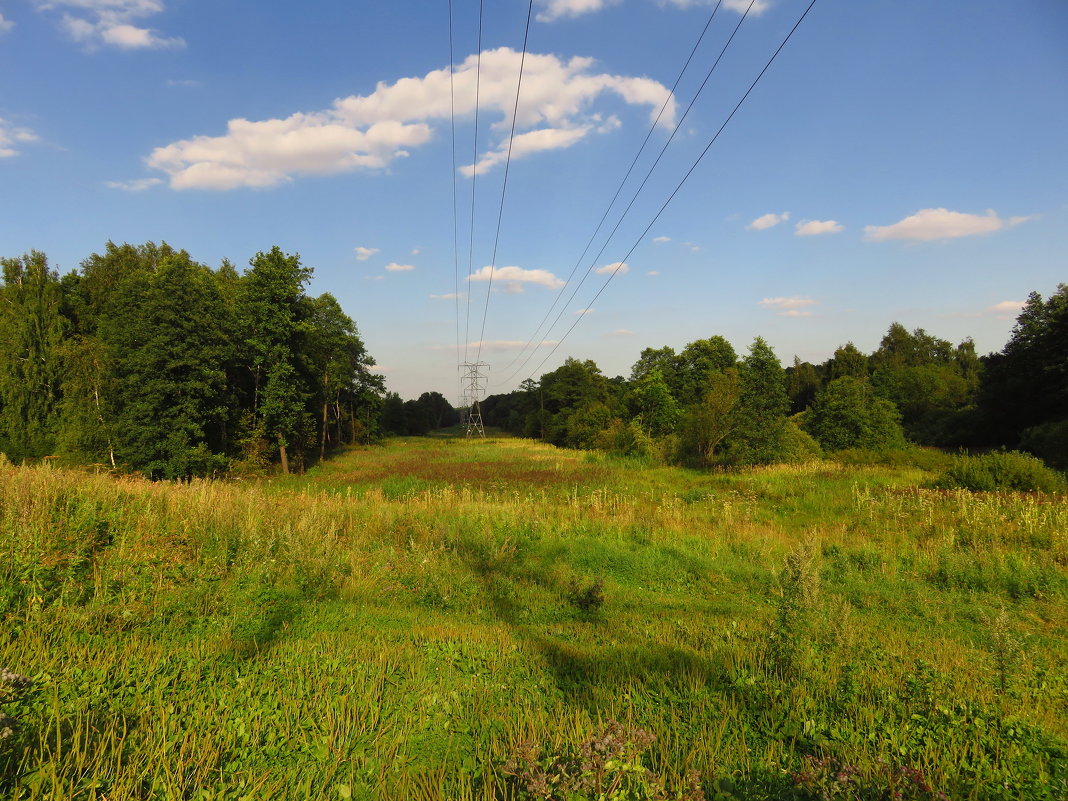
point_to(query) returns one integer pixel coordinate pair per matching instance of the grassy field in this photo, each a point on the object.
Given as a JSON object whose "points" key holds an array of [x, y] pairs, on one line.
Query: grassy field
{"points": [[444, 619]]}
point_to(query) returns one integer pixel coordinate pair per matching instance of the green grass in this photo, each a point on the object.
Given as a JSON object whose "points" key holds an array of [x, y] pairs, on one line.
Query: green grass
{"points": [[398, 622]]}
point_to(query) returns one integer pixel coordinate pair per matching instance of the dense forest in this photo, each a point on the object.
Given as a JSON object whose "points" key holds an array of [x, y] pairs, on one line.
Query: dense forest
{"points": [[147, 360], [705, 405]]}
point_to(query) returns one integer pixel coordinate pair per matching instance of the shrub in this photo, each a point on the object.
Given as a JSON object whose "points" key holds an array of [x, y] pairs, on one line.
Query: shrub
{"points": [[1001, 470], [798, 445], [1048, 441]]}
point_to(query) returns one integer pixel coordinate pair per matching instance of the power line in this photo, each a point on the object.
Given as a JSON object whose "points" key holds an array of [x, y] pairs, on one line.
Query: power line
{"points": [[638, 191], [671, 197], [504, 185], [474, 176], [455, 212], [622, 183]]}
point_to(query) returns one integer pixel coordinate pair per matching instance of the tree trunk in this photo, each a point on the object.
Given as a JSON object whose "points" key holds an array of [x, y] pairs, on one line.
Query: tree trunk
{"points": [[352, 420], [282, 452]]}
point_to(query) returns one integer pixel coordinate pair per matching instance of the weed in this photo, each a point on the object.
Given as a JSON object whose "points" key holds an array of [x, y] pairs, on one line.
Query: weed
{"points": [[588, 598], [798, 587], [605, 768], [1006, 647], [829, 778]]}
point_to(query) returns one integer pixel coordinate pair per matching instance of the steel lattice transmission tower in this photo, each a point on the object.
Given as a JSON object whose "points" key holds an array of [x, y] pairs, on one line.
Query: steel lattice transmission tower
{"points": [[474, 388]]}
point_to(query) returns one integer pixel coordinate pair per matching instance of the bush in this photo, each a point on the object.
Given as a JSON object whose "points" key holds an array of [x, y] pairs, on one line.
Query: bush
{"points": [[1001, 470], [1048, 441], [798, 445]]}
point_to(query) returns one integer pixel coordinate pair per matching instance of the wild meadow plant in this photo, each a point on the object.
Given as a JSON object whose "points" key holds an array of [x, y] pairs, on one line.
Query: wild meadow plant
{"points": [[400, 623]]}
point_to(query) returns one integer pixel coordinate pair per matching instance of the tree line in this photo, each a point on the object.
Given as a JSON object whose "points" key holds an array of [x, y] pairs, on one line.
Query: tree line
{"points": [[145, 359], [706, 405]]}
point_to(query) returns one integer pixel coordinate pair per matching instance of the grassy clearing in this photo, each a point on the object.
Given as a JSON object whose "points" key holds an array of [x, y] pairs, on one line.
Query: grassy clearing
{"points": [[400, 621]]}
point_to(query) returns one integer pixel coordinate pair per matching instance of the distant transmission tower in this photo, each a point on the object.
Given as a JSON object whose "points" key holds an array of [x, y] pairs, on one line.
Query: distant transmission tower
{"points": [[474, 387]]}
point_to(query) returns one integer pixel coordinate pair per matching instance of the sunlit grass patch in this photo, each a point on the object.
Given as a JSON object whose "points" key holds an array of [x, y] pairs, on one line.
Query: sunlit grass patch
{"points": [[387, 628]]}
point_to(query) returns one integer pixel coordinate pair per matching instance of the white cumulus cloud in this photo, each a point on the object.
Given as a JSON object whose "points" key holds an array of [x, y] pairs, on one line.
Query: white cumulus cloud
{"points": [[393, 267], [5, 24], [517, 275], [371, 131], [12, 136], [97, 23], [928, 224], [613, 268], [769, 220], [817, 227], [363, 254]]}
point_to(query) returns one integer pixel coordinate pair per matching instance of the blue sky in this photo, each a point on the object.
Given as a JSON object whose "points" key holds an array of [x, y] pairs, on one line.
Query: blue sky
{"points": [[900, 160]]}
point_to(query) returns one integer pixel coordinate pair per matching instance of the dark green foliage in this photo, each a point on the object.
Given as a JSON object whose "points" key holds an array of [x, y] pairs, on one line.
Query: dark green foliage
{"points": [[761, 408], [1026, 385], [803, 382], [658, 413], [848, 361], [847, 414], [696, 364], [146, 360], [708, 423], [167, 351], [31, 330], [1049, 441], [1002, 471]]}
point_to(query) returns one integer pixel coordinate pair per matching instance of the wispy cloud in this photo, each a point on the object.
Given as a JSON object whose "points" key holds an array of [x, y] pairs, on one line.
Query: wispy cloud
{"points": [[393, 267], [789, 307], [662, 239], [563, 9], [450, 296], [497, 345], [928, 224], [766, 221], [582, 312], [369, 132], [653, 273], [817, 227], [517, 275], [110, 23], [136, 185], [5, 24], [613, 268], [1002, 310], [622, 332], [363, 254], [11, 137]]}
